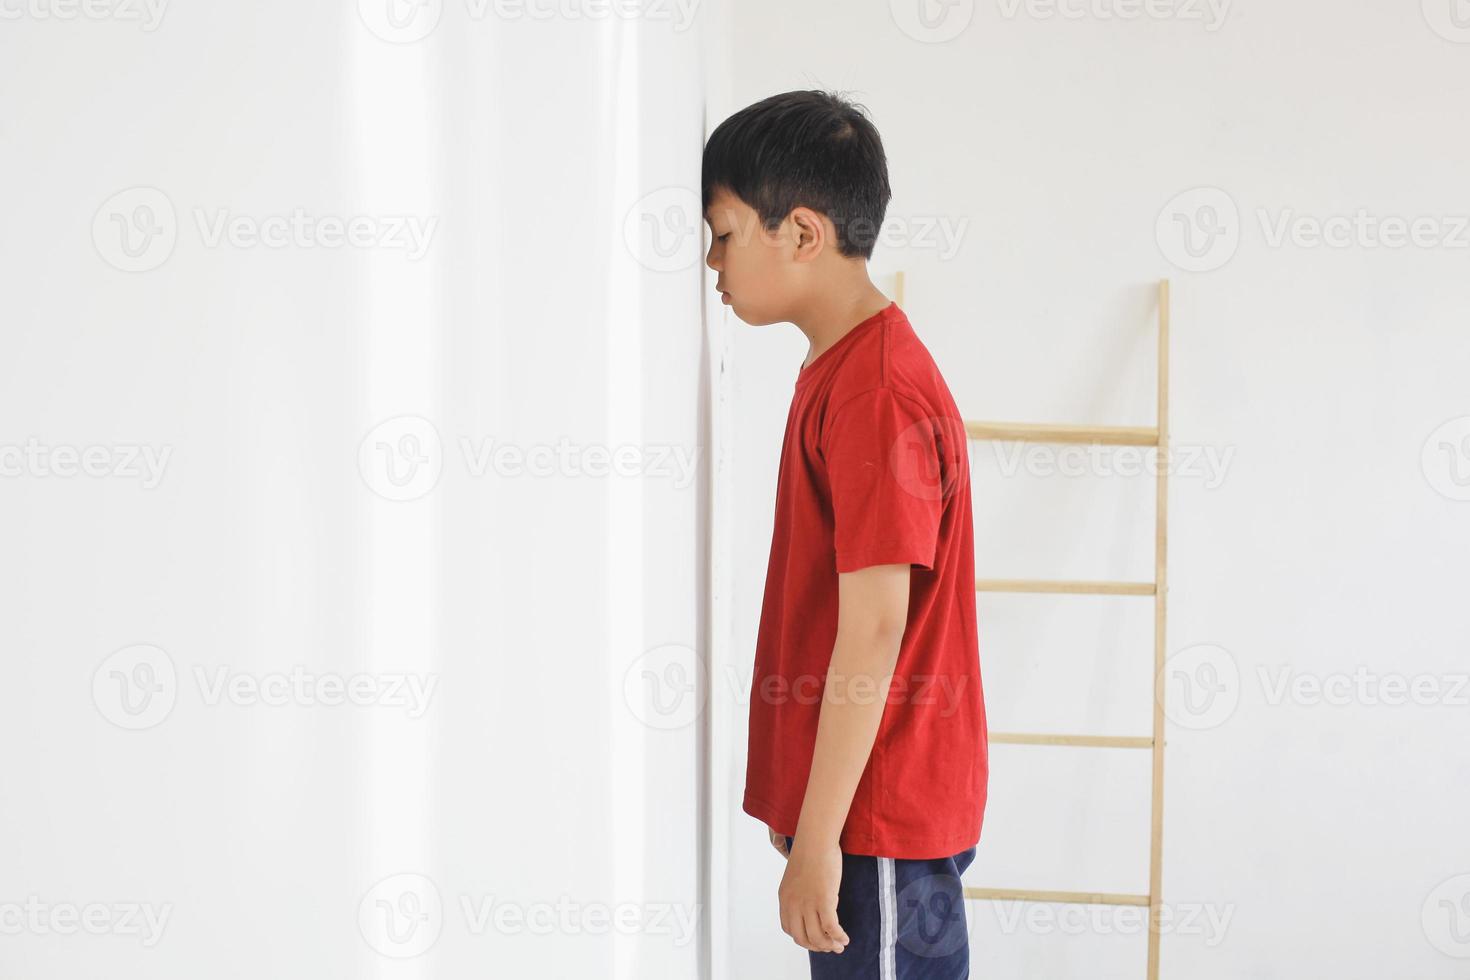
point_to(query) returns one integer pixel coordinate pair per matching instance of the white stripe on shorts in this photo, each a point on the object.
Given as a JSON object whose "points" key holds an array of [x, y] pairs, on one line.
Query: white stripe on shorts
{"points": [[888, 921]]}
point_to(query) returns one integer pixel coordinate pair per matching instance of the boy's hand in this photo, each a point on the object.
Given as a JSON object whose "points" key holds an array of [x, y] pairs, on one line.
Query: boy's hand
{"points": [[778, 841], [808, 896]]}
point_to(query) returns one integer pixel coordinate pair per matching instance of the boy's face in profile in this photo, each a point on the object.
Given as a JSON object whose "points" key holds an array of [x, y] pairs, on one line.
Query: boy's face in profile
{"points": [[758, 269]]}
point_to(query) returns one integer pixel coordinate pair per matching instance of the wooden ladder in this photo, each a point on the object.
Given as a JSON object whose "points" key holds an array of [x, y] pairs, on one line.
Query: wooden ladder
{"points": [[1157, 436]]}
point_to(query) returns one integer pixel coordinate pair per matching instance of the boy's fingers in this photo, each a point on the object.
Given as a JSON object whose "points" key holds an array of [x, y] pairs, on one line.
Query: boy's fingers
{"points": [[833, 929], [798, 932], [816, 938], [796, 929]]}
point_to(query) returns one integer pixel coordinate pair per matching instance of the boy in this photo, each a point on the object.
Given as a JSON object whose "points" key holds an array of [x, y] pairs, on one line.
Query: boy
{"points": [[868, 747]]}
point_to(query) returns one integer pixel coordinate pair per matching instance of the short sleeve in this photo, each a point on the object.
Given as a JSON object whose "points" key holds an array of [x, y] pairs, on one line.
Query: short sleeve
{"points": [[884, 467]]}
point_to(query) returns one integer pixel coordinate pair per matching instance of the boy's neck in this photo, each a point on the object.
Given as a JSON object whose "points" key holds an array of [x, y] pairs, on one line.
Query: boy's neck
{"points": [[831, 317]]}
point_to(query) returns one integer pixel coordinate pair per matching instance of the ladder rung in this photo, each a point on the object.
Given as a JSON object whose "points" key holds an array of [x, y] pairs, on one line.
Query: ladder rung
{"points": [[1108, 435], [1056, 586], [1090, 741], [1082, 898]]}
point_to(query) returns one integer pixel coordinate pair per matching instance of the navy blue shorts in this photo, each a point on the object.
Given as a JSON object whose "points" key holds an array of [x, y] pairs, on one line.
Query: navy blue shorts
{"points": [[905, 920]]}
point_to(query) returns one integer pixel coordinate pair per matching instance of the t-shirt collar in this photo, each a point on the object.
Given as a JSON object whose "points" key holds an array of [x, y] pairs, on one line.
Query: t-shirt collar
{"points": [[811, 370]]}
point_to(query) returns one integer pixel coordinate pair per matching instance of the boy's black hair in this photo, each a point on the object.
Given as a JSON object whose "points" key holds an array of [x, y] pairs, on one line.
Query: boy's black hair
{"points": [[804, 149]]}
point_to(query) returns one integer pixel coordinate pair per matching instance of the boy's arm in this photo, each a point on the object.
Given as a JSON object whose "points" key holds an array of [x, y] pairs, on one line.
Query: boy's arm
{"points": [[872, 613]]}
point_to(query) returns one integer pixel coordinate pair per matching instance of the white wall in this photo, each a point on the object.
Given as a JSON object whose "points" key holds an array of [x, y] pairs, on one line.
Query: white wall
{"points": [[1324, 839], [537, 779]]}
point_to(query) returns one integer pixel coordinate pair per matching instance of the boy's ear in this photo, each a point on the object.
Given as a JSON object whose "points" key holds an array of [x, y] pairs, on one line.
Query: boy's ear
{"points": [[810, 233]]}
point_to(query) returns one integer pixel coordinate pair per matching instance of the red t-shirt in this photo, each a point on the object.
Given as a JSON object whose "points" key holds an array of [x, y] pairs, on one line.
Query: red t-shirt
{"points": [[874, 470]]}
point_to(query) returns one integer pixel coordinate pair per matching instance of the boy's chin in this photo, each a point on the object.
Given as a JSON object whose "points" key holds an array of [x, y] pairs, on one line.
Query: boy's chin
{"points": [[752, 318]]}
